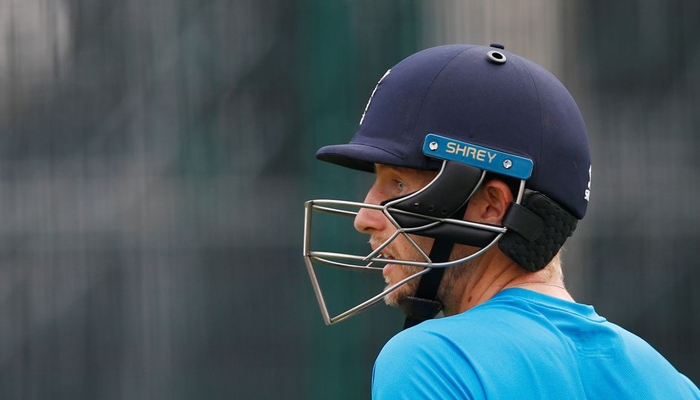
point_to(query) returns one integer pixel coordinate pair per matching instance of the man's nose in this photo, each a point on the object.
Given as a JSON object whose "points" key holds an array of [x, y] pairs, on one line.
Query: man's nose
{"points": [[368, 220]]}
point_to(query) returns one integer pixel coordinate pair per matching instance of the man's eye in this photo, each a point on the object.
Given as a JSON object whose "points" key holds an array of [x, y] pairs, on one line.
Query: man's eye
{"points": [[400, 186]]}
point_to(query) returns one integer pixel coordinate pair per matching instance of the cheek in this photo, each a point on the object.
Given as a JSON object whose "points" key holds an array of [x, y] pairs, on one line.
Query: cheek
{"points": [[472, 213], [402, 271], [461, 251], [408, 252]]}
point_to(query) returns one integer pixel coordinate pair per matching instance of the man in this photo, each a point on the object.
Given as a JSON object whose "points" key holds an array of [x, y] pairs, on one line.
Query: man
{"points": [[482, 171]]}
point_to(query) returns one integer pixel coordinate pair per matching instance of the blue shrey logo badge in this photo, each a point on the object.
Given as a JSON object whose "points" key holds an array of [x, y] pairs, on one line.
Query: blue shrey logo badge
{"points": [[481, 157]]}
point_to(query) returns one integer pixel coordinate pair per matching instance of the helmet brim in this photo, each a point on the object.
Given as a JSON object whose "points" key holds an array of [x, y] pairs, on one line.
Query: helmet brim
{"points": [[363, 157], [357, 156]]}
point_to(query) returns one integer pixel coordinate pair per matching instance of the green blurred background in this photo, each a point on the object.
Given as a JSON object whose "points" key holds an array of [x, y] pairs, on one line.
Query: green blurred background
{"points": [[155, 156]]}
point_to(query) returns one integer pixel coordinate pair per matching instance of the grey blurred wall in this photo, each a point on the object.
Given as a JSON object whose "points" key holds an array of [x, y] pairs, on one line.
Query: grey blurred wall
{"points": [[155, 155]]}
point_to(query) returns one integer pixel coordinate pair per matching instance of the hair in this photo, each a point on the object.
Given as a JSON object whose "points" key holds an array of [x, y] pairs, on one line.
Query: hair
{"points": [[554, 268]]}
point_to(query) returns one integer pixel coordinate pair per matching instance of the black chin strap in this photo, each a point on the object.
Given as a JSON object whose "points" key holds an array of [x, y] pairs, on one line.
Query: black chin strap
{"points": [[425, 304]]}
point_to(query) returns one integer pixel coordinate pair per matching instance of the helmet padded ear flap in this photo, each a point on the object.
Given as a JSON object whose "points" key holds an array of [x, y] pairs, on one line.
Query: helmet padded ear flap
{"points": [[447, 194], [537, 229]]}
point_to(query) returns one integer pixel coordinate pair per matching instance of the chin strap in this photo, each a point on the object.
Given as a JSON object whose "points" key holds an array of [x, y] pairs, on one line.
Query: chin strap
{"points": [[424, 305]]}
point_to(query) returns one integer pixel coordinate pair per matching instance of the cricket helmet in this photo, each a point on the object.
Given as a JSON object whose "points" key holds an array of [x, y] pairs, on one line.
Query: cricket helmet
{"points": [[466, 111]]}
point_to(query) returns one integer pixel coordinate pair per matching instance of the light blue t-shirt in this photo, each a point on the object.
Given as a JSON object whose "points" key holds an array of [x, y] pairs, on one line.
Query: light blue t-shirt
{"points": [[524, 345]]}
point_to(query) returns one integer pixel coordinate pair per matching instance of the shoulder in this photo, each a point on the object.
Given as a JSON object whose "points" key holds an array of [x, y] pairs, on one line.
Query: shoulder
{"points": [[440, 340], [486, 330], [463, 356], [423, 362]]}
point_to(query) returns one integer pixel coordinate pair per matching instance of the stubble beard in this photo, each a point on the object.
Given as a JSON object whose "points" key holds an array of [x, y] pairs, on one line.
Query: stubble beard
{"points": [[410, 287], [452, 286], [449, 292], [406, 290]]}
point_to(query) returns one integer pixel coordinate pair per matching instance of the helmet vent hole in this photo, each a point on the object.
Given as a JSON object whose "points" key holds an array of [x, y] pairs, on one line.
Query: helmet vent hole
{"points": [[431, 208], [496, 57], [416, 205], [443, 211]]}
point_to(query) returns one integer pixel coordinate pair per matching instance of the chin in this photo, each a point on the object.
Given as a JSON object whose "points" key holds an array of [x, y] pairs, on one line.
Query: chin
{"points": [[394, 273], [408, 289], [392, 299]]}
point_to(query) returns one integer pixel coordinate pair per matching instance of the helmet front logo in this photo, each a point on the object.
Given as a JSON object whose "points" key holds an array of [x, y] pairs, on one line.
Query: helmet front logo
{"points": [[470, 152], [362, 119], [489, 159]]}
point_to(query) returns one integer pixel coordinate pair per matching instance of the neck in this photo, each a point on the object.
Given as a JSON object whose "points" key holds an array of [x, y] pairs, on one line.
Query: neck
{"points": [[495, 272]]}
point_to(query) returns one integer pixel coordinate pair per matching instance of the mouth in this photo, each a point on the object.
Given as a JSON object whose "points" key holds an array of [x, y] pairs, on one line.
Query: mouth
{"points": [[387, 267]]}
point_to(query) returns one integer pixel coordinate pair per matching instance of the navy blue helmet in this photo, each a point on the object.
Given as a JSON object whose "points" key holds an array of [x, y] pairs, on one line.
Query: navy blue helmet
{"points": [[467, 111]]}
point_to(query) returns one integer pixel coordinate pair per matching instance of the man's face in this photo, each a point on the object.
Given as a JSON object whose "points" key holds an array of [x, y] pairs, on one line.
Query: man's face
{"points": [[392, 182]]}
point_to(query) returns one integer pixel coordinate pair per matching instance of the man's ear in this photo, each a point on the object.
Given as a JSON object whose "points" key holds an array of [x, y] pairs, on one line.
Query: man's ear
{"points": [[490, 203]]}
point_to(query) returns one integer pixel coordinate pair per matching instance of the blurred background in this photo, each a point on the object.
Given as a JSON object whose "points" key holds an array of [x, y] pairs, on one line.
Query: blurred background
{"points": [[155, 156]]}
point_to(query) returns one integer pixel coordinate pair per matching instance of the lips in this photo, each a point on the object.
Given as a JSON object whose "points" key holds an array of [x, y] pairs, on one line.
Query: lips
{"points": [[387, 267], [386, 271]]}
